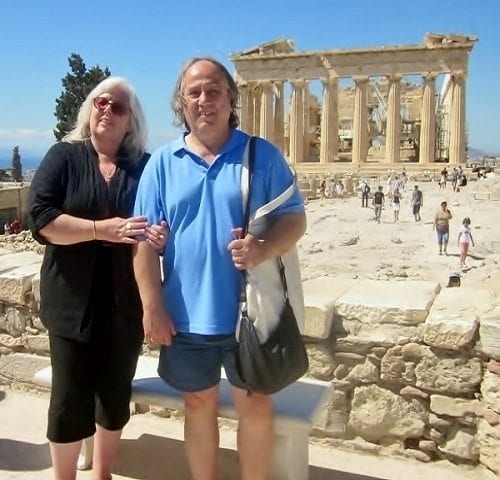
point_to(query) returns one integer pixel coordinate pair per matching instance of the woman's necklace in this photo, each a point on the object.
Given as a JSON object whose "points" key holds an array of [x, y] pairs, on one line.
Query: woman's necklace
{"points": [[108, 174]]}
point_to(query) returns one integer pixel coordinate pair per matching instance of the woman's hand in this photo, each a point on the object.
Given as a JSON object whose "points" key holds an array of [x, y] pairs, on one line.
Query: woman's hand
{"points": [[121, 230], [157, 235]]}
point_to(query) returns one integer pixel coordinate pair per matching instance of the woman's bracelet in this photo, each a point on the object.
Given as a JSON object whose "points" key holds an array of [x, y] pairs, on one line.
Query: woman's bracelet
{"points": [[94, 230]]}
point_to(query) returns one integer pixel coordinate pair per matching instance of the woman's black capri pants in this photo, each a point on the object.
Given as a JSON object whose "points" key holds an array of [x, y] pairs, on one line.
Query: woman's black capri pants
{"points": [[91, 381]]}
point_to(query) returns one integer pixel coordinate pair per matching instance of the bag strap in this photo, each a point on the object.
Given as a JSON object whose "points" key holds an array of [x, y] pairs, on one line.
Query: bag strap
{"points": [[246, 180]]}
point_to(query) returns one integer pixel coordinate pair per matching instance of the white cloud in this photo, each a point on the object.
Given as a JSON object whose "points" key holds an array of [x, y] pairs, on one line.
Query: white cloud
{"points": [[31, 142], [21, 135]]}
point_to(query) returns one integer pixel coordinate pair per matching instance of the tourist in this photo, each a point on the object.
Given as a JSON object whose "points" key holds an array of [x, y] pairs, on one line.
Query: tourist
{"points": [[454, 179], [417, 202], [80, 206], [322, 189], [15, 226], [378, 202], [442, 182], [331, 188], [396, 204], [454, 279], [339, 189], [194, 184], [365, 191], [442, 226], [443, 178], [464, 239]]}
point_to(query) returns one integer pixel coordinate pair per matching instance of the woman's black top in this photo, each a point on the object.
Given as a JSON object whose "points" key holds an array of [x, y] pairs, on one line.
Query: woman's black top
{"points": [[83, 280]]}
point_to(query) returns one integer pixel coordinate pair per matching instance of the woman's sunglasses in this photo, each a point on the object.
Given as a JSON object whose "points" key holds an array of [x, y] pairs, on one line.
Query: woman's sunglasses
{"points": [[117, 108]]}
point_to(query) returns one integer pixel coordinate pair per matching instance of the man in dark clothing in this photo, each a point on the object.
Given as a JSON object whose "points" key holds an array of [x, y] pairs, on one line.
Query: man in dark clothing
{"points": [[365, 190], [378, 202], [417, 201]]}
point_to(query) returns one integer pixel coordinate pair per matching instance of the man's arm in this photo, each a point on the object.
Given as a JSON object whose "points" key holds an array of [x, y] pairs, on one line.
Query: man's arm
{"points": [[158, 326], [280, 237]]}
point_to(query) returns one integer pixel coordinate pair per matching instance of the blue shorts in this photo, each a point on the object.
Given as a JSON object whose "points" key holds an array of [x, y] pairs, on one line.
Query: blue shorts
{"points": [[443, 236], [193, 362]]}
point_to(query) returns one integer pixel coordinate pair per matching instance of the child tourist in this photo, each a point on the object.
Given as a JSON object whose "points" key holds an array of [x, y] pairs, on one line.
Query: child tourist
{"points": [[464, 238]]}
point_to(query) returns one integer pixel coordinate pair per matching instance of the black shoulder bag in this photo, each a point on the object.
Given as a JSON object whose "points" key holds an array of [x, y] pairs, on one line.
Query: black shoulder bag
{"points": [[282, 359]]}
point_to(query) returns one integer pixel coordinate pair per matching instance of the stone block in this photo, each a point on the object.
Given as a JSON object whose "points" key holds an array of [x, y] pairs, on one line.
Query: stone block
{"points": [[15, 321], [332, 419], [21, 367], [461, 443], [35, 287], [320, 361], [320, 295], [10, 342], [455, 376], [38, 344], [488, 437], [454, 317], [16, 282], [419, 366], [366, 373], [489, 333], [385, 335], [12, 260], [454, 407], [394, 302], [378, 413], [490, 390]]}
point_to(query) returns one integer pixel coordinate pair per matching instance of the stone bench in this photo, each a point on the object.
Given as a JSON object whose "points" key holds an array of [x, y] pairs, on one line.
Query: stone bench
{"points": [[295, 409]]}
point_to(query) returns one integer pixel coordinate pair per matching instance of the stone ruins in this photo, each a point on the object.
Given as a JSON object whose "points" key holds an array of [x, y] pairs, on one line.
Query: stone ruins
{"points": [[379, 120]]}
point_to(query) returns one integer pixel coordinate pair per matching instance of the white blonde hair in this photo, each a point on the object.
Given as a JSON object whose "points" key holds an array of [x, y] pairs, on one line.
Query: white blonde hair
{"points": [[135, 140]]}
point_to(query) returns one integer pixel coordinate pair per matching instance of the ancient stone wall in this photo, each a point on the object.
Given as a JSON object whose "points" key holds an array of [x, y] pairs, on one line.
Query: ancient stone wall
{"points": [[414, 369]]}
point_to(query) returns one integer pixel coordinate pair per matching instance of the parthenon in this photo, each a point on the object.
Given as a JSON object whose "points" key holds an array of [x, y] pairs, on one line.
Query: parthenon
{"points": [[379, 119]]}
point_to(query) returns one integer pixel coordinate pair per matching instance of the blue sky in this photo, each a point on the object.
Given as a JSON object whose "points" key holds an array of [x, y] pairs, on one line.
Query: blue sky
{"points": [[148, 41]]}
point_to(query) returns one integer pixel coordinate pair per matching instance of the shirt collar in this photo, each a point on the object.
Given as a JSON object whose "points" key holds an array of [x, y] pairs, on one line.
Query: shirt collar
{"points": [[236, 139]]}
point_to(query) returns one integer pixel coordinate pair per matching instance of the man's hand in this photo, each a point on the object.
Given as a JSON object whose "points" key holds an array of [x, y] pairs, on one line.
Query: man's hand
{"points": [[247, 252], [158, 326]]}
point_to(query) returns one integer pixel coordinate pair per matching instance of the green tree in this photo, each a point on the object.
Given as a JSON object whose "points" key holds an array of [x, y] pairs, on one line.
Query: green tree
{"points": [[77, 85], [17, 168]]}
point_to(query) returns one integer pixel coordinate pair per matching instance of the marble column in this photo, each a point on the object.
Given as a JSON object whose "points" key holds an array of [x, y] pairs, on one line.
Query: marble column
{"points": [[393, 129], [244, 100], [267, 111], [457, 119], [279, 115], [307, 121], [360, 121], [297, 122], [256, 109], [329, 122], [427, 140], [249, 118]]}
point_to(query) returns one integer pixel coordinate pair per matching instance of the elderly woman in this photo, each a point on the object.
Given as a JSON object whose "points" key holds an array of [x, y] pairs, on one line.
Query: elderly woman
{"points": [[81, 201], [442, 227]]}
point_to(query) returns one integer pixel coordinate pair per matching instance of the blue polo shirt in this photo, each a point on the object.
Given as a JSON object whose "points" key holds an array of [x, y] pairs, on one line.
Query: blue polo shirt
{"points": [[201, 205]]}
